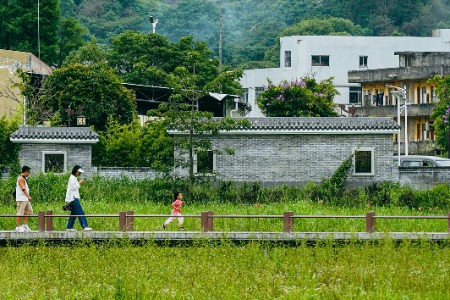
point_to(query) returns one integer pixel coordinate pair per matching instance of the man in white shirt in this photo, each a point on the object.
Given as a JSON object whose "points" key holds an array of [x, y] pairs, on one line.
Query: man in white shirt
{"points": [[23, 200]]}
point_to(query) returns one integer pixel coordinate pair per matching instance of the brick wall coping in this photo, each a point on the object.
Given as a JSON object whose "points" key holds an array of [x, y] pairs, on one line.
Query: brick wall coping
{"points": [[325, 125], [53, 135]]}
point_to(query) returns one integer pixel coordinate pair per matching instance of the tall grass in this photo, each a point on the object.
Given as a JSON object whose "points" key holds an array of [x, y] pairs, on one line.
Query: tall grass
{"points": [[254, 271]]}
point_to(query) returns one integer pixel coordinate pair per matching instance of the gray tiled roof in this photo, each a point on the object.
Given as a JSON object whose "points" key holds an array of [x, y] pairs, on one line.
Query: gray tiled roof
{"points": [[54, 133], [322, 124]]}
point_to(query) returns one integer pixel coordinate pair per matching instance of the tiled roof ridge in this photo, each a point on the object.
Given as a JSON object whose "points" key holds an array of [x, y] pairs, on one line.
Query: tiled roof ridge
{"points": [[51, 133], [321, 123]]}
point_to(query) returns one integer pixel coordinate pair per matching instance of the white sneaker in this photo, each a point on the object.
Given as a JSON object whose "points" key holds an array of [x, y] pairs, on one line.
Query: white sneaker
{"points": [[20, 229], [70, 230], [26, 228], [87, 229]]}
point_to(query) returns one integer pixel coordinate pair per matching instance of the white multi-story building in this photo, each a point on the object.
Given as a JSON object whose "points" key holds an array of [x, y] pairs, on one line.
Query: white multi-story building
{"points": [[333, 56]]}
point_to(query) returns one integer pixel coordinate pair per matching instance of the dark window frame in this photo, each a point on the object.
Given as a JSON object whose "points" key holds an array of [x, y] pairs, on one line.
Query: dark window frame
{"points": [[287, 59], [363, 161], [53, 162], [320, 60], [205, 162]]}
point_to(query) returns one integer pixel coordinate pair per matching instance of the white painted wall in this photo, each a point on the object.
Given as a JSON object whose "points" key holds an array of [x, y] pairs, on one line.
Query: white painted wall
{"points": [[344, 53]]}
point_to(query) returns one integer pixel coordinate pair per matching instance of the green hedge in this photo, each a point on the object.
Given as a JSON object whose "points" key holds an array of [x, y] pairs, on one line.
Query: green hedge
{"points": [[51, 189]]}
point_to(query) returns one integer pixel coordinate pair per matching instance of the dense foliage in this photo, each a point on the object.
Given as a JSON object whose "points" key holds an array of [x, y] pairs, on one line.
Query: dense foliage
{"points": [[133, 145], [304, 97], [41, 31], [250, 28], [194, 127], [47, 190], [441, 112], [95, 88], [8, 151]]}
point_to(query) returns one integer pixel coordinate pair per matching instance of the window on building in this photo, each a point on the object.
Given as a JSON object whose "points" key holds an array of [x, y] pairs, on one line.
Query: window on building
{"points": [[433, 95], [364, 161], [205, 162], [54, 162], [258, 91], [287, 58], [390, 97], [363, 61], [244, 96], [368, 98], [424, 94], [320, 60], [408, 61], [355, 95], [379, 99]]}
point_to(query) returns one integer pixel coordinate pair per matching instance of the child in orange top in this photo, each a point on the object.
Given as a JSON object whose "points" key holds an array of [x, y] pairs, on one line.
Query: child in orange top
{"points": [[176, 211]]}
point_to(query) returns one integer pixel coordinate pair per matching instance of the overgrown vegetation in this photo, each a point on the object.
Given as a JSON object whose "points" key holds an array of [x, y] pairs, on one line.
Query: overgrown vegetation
{"points": [[255, 271], [332, 193], [8, 151]]}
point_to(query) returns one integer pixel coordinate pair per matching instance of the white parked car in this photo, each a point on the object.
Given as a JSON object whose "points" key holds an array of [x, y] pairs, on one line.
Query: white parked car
{"points": [[421, 161]]}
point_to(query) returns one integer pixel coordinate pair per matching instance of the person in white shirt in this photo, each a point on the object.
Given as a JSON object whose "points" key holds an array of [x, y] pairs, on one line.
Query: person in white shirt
{"points": [[23, 200], [73, 197]]}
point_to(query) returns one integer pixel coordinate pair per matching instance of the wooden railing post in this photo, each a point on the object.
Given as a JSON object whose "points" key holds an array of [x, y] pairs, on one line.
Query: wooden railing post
{"points": [[370, 222], [204, 221], [41, 221], [49, 220], [449, 222], [130, 220], [207, 221], [122, 221], [210, 221], [287, 221]]}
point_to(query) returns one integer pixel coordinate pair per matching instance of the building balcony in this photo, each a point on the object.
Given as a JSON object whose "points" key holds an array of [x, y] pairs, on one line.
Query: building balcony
{"points": [[391, 110]]}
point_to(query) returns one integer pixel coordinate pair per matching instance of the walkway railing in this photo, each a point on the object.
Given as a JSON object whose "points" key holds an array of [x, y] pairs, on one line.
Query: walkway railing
{"points": [[126, 219]]}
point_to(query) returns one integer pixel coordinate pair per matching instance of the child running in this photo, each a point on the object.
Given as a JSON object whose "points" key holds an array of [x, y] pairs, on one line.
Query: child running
{"points": [[176, 211]]}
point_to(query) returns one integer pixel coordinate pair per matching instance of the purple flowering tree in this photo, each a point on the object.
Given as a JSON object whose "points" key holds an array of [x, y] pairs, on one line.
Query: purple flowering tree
{"points": [[304, 97]]}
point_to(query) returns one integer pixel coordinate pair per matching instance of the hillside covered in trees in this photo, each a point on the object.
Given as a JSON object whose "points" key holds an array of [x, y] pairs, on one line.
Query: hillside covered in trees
{"points": [[250, 28]]}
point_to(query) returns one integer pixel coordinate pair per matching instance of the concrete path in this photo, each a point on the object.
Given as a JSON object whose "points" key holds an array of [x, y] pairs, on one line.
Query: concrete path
{"points": [[160, 236]]}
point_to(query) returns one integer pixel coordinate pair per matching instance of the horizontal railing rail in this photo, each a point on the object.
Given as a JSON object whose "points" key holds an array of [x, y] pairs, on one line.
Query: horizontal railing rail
{"points": [[126, 219]]}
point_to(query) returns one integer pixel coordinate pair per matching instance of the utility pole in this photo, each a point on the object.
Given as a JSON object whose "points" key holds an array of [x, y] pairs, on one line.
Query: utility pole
{"points": [[38, 31], [220, 37]]}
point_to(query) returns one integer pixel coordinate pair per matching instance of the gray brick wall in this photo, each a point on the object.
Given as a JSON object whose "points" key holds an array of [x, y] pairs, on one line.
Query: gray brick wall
{"points": [[133, 173], [76, 154], [300, 158], [423, 178]]}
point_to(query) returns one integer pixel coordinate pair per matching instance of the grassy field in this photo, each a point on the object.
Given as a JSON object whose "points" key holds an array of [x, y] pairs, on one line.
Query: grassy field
{"points": [[258, 270], [254, 271]]}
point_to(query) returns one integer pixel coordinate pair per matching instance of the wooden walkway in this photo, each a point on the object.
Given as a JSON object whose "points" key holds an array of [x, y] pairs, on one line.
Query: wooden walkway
{"points": [[8, 237]]}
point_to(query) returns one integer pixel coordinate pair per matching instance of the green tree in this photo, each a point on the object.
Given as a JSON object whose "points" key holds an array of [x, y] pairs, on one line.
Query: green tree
{"points": [[149, 58], [96, 88], [326, 26], [180, 115], [19, 27], [70, 37], [133, 145], [299, 98], [441, 111], [9, 152], [36, 107], [88, 54]]}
